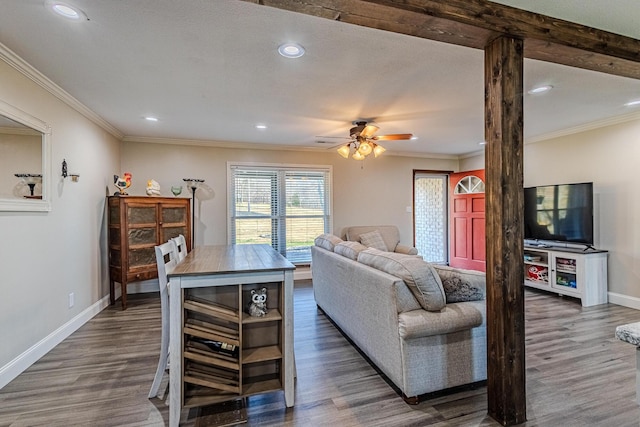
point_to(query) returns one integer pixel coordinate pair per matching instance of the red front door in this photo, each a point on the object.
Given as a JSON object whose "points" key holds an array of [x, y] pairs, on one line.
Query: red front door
{"points": [[467, 222]]}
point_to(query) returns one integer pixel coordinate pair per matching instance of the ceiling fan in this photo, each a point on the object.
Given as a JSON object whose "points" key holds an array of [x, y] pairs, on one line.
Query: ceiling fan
{"points": [[364, 141]]}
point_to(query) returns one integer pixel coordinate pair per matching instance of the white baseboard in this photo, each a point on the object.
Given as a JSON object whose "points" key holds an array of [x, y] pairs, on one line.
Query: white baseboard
{"points": [[624, 300], [18, 365]]}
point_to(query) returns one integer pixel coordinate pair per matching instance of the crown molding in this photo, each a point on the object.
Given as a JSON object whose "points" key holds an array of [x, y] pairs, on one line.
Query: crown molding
{"points": [[275, 147], [26, 69], [585, 127]]}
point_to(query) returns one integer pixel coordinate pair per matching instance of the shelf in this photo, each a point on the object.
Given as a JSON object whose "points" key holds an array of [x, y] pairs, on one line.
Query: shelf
{"points": [[212, 333], [261, 386], [210, 357], [537, 282], [206, 376], [211, 309], [261, 354], [272, 315], [201, 396]]}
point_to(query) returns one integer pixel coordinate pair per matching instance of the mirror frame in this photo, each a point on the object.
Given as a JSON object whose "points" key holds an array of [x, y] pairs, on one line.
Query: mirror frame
{"points": [[31, 205]]}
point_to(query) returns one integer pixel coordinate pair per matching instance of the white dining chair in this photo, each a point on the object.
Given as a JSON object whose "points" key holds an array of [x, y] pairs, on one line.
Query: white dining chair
{"points": [[181, 245], [166, 259]]}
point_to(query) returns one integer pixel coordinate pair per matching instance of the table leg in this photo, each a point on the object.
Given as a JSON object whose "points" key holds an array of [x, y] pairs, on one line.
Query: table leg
{"points": [[175, 352]]}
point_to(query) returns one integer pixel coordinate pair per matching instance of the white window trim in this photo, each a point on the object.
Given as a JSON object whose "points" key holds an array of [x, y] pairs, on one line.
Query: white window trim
{"points": [[274, 166]]}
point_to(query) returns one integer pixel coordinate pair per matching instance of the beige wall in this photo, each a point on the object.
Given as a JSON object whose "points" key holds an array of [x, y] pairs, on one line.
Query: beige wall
{"points": [[377, 191], [608, 157], [46, 256]]}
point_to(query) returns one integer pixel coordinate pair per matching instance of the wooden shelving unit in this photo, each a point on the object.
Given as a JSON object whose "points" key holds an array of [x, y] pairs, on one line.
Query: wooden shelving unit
{"points": [[254, 363]]}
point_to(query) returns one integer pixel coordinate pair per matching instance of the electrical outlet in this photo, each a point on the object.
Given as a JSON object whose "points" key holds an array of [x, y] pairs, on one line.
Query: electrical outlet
{"points": [[72, 299]]}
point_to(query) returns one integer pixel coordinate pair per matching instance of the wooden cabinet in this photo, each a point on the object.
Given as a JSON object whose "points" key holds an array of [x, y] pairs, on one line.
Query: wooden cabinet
{"points": [[574, 272], [136, 225]]}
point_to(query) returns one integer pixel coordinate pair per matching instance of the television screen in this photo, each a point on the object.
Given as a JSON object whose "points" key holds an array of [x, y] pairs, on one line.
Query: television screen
{"points": [[559, 212]]}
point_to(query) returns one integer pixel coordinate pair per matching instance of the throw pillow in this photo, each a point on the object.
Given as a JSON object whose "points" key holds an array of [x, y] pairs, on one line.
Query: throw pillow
{"points": [[327, 241], [462, 285], [349, 249], [373, 239], [421, 278]]}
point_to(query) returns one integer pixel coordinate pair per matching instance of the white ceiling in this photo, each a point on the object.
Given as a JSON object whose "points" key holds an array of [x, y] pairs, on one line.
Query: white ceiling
{"points": [[210, 71]]}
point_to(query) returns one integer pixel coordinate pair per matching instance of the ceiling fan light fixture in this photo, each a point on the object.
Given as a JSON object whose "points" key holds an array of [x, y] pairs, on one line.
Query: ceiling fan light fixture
{"points": [[357, 155], [378, 149], [344, 151], [365, 148]]}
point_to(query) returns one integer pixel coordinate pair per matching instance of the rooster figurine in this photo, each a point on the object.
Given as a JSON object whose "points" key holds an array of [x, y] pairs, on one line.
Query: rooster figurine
{"points": [[122, 183]]}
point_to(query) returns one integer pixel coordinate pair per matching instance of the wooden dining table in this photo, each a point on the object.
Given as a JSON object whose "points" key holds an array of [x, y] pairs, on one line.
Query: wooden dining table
{"points": [[244, 267]]}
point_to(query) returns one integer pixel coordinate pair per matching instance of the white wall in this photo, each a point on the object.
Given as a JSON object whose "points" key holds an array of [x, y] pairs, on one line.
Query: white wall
{"points": [[46, 256], [608, 157], [377, 191]]}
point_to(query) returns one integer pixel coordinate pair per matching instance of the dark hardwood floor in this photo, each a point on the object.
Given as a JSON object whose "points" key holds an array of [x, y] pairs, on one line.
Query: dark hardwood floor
{"points": [[578, 374]]}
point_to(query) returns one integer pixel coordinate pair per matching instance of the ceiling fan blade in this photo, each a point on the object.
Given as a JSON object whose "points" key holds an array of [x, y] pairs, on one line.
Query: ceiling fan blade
{"points": [[335, 137], [368, 131], [393, 137]]}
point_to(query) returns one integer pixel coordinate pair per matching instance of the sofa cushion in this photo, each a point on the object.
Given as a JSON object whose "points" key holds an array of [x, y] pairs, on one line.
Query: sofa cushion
{"points": [[421, 278], [373, 239], [349, 249], [327, 241], [389, 233], [462, 285]]}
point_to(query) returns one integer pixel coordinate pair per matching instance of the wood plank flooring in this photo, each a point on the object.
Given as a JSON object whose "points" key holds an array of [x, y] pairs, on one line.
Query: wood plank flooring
{"points": [[578, 374]]}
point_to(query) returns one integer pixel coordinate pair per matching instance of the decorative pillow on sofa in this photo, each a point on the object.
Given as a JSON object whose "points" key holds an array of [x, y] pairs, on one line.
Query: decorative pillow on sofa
{"points": [[373, 239], [421, 278], [462, 285], [349, 249], [327, 241]]}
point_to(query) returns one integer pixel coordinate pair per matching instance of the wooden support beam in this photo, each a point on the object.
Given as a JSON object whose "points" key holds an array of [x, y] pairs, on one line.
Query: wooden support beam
{"points": [[505, 243], [474, 23]]}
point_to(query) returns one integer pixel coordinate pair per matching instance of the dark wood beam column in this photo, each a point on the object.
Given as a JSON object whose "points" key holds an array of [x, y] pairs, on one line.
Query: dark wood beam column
{"points": [[505, 245]]}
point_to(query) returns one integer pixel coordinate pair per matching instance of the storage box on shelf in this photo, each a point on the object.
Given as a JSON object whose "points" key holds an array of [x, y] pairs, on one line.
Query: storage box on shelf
{"points": [[227, 352], [576, 272]]}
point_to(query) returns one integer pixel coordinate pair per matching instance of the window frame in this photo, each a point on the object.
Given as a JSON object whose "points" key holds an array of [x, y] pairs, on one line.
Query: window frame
{"points": [[279, 218]]}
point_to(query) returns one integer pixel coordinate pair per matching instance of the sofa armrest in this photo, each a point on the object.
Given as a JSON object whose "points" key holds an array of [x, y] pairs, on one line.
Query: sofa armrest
{"points": [[407, 250], [452, 318]]}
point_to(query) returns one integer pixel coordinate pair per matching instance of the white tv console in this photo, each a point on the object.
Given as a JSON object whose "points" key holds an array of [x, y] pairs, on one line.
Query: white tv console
{"points": [[575, 270]]}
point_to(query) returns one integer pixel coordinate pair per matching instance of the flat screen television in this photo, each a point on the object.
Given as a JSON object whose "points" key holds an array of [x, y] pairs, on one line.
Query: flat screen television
{"points": [[559, 213]]}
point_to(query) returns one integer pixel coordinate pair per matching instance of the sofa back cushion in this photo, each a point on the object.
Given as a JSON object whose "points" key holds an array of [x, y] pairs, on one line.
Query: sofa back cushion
{"points": [[390, 234], [327, 241], [421, 278], [349, 249], [373, 239], [462, 285]]}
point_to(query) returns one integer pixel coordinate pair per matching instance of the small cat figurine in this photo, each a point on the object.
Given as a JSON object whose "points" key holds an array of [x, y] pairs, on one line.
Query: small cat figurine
{"points": [[258, 304]]}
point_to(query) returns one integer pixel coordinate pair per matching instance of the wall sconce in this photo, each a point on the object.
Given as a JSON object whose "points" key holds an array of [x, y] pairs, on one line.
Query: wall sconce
{"points": [[74, 176]]}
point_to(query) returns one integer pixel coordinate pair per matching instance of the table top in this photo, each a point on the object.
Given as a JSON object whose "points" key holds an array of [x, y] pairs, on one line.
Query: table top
{"points": [[206, 260]]}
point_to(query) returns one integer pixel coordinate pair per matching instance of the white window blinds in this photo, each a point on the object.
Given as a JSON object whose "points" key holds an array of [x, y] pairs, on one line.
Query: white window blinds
{"points": [[286, 207]]}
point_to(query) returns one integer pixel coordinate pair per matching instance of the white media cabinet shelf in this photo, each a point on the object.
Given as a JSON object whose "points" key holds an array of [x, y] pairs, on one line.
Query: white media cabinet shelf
{"points": [[566, 270]]}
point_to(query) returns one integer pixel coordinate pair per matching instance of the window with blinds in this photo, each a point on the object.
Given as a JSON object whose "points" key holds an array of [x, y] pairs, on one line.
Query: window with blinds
{"points": [[286, 207]]}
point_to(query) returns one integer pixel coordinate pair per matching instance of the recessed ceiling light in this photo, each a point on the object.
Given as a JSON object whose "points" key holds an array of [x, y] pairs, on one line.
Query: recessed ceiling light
{"points": [[291, 50], [66, 10], [151, 119], [632, 103], [540, 89], [413, 138], [261, 126]]}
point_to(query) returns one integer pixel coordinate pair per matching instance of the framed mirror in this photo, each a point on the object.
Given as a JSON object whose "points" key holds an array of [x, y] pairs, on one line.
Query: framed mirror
{"points": [[25, 158]]}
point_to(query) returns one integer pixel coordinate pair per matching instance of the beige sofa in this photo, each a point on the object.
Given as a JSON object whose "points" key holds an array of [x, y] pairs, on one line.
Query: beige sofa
{"points": [[420, 350]]}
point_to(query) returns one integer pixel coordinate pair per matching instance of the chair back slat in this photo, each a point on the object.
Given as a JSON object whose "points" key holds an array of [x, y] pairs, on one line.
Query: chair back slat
{"points": [[181, 246]]}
